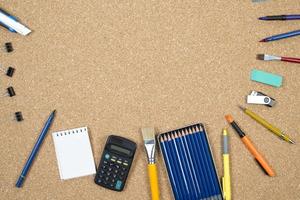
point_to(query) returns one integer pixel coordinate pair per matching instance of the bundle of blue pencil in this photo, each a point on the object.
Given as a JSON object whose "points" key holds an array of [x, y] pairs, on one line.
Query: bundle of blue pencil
{"points": [[189, 164]]}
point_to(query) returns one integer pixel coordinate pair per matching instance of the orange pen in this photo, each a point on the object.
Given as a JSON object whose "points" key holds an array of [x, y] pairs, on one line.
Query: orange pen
{"points": [[258, 157]]}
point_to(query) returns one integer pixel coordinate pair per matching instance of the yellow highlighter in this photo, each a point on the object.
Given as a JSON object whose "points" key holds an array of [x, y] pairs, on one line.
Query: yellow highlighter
{"points": [[226, 178], [267, 125], [149, 142]]}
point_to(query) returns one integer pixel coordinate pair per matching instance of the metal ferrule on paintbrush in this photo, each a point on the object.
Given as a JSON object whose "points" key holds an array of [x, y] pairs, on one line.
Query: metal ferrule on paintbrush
{"points": [[150, 150], [149, 143]]}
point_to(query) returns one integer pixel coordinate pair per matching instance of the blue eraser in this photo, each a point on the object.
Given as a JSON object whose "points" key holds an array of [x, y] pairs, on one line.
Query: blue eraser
{"points": [[266, 78]]}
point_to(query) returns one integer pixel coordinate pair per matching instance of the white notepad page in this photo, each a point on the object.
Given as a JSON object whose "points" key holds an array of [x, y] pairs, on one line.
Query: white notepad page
{"points": [[74, 153]]}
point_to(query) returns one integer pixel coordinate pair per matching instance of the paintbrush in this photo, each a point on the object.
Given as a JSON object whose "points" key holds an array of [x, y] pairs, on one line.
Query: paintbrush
{"points": [[277, 58], [149, 142]]}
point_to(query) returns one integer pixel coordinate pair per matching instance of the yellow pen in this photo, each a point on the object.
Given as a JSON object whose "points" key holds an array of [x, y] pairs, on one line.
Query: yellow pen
{"points": [[226, 179], [267, 125]]}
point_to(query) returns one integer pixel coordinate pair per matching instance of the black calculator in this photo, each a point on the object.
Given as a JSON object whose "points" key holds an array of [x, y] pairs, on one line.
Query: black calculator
{"points": [[115, 163]]}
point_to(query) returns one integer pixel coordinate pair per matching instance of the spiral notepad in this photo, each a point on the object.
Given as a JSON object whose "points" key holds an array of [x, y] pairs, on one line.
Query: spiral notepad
{"points": [[74, 153]]}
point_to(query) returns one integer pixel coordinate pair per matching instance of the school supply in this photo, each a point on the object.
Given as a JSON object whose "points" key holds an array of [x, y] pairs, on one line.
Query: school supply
{"points": [[247, 142], [9, 48], [281, 36], [267, 125], [189, 163], [35, 150], [260, 98], [280, 17], [12, 24], [10, 92], [73, 153], [266, 78], [19, 116], [149, 143], [9, 71], [115, 163], [277, 58], [226, 166]]}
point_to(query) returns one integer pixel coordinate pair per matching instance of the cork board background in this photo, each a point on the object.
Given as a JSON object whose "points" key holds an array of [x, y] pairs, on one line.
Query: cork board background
{"points": [[117, 66]]}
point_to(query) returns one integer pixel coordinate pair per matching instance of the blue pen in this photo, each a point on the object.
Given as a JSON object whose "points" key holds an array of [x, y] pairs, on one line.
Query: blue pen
{"points": [[280, 17], [281, 36], [35, 150]]}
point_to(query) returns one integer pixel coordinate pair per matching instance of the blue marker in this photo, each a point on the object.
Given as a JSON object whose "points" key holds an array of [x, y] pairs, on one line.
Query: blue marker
{"points": [[35, 150]]}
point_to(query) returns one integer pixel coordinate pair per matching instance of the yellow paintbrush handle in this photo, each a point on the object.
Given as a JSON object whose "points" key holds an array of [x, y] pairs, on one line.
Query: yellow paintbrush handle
{"points": [[152, 172]]}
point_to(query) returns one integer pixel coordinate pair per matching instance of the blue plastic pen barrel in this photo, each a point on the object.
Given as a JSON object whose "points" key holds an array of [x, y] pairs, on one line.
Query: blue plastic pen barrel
{"points": [[35, 150], [283, 35]]}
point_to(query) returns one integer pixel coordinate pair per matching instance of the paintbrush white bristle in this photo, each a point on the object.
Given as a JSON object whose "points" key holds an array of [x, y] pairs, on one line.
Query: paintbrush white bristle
{"points": [[267, 57], [148, 133]]}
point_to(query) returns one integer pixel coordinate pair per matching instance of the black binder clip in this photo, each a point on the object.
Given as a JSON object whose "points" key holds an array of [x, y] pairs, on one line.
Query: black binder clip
{"points": [[9, 48], [260, 98], [19, 116], [9, 72], [10, 92]]}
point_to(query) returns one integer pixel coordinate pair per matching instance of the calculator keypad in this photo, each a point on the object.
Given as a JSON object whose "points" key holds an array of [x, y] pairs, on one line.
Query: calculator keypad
{"points": [[112, 172]]}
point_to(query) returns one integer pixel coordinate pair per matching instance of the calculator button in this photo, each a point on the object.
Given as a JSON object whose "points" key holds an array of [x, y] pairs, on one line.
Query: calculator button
{"points": [[111, 164], [107, 156], [105, 162], [123, 168], [126, 164], [118, 185], [114, 176], [113, 180], [113, 160], [120, 162], [116, 171], [117, 166], [108, 173], [109, 169], [99, 181], [106, 178], [111, 185], [122, 173], [102, 171]]}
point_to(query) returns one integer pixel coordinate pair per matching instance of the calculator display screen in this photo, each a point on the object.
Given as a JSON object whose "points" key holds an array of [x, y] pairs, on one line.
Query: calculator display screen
{"points": [[120, 149]]}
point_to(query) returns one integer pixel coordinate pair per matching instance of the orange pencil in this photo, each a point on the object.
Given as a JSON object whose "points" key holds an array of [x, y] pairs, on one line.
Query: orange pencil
{"points": [[263, 163]]}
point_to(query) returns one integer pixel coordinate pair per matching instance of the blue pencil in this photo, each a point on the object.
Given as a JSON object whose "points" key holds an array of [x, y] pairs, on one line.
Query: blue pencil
{"points": [[207, 169], [174, 182], [281, 36], [201, 133], [186, 166], [191, 162], [192, 165], [35, 150], [179, 174], [181, 168], [198, 164]]}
